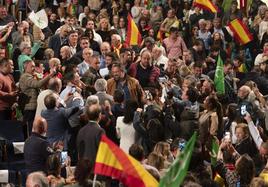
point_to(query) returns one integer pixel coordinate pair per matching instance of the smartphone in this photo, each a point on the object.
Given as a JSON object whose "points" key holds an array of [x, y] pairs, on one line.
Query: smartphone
{"points": [[64, 156], [162, 79], [243, 110], [73, 90]]}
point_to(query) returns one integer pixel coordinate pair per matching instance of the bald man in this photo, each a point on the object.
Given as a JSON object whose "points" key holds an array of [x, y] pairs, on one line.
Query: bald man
{"points": [[37, 179], [36, 147]]}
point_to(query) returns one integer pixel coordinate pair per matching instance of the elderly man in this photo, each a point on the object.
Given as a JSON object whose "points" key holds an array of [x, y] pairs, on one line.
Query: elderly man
{"points": [[92, 74], [101, 87], [37, 148], [84, 66], [89, 136], [8, 91], [116, 43], [22, 35], [30, 87], [25, 48], [105, 48], [37, 179]]}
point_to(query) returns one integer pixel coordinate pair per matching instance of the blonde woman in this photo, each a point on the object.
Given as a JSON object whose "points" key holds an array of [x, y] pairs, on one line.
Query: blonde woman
{"points": [[104, 29]]}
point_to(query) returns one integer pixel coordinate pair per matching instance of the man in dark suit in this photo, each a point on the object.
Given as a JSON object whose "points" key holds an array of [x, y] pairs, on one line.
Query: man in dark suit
{"points": [[89, 136], [57, 40]]}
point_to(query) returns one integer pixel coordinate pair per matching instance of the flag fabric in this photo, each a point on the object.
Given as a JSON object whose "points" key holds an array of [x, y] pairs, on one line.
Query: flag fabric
{"points": [[133, 34], [159, 36], [39, 18], [214, 152], [226, 5], [178, 170], [219, 77], [206, 4], [114, 162], [240, 31]]}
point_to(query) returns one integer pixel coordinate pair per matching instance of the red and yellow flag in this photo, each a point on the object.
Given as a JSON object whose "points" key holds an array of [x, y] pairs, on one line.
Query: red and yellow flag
{"points": [[240, 31], [206, 4], [133, 34], [114, 162], [159, 36]]}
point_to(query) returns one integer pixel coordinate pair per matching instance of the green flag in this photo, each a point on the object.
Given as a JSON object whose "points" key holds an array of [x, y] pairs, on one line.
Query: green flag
{"points": [[226, 5], [214, 152], [178, 170], [219, 77], [9, 50]]}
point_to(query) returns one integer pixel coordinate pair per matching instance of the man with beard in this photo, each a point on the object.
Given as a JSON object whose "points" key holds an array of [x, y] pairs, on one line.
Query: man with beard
{"points": [[120, 80], [206, 89]]}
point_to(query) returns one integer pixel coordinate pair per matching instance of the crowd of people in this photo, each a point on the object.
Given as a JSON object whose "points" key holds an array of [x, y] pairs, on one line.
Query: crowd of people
{"points": [[78, 79]]}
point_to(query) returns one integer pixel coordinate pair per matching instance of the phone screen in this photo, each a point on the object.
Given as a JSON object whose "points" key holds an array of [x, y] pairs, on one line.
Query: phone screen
{"points": [[243, 110], [64, 156], [73, 90]]}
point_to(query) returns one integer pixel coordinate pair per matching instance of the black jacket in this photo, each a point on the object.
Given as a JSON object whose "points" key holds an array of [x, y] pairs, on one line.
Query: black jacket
{"points": [[88, 140], [36, 152]]}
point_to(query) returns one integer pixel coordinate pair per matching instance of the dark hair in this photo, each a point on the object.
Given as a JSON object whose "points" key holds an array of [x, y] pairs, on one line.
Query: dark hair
{"points": [[50, 101], [198, 64], [88, 32], [130, 108], [82, 171], [245, 168], [4, 61], [232, 111], [119, 96], [155, 130], [192, 94], [227, 157], [69, 71], [136, 151], [54, 164], [120, 66], [112, 55]]}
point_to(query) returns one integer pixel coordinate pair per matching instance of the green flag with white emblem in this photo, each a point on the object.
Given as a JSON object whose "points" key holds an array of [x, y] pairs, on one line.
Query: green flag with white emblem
{"points": [[219, 77], [178, 170]]}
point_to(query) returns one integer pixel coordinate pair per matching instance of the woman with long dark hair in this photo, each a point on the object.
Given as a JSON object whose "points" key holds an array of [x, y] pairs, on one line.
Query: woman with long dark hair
{"points": [[124, 125], [210, 122]]}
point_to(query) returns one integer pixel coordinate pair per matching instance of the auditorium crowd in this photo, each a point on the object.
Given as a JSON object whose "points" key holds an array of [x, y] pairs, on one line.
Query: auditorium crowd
{"points": [[78, 78]]}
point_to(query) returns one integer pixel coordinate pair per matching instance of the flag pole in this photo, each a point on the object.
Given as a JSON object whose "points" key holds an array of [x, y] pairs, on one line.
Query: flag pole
{"points": [[94, 180]]}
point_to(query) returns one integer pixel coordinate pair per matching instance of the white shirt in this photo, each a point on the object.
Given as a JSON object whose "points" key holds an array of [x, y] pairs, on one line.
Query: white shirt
{"points": [[259, 59], [162, 60], [97, 37], [126, 133], [80, 18], [40, 101]]}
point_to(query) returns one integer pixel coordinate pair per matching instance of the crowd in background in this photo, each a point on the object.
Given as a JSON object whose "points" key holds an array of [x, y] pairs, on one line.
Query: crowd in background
{"points": [[77, 79]]}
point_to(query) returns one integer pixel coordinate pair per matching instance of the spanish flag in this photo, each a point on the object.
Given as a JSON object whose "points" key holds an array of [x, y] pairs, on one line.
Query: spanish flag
{"points": [[133, 34], [240, 31], [113, 162], [206, 4]]}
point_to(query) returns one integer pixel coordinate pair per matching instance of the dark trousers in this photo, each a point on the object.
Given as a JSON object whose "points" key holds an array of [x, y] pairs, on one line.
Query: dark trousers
{"points": [[5, 114], [28, 118]]}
